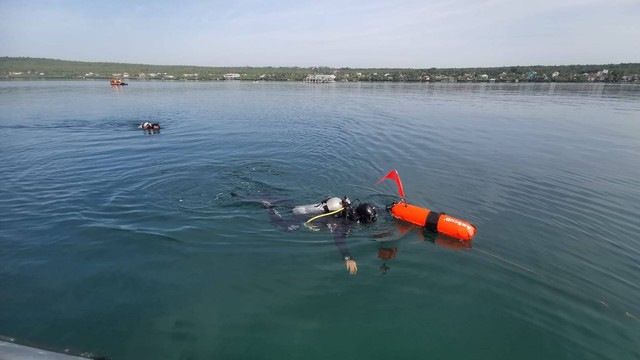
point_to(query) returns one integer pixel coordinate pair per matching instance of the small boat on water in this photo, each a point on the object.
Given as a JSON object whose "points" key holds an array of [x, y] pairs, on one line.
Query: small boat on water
{"points": [[118, 82]]}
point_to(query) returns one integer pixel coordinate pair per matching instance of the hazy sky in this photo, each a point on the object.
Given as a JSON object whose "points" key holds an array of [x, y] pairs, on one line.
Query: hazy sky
{"points": [[355, 33]]}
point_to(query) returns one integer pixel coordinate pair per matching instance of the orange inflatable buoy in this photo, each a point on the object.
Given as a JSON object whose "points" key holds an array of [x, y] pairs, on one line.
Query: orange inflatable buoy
{"points": [[434, 221]]}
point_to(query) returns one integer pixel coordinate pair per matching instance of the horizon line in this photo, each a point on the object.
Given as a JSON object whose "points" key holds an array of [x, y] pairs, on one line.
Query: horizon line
{"points": [[320, 66]]}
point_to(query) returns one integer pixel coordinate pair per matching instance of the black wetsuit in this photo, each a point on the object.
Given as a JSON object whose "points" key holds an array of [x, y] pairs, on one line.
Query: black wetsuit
{"points": [[339, 225]]}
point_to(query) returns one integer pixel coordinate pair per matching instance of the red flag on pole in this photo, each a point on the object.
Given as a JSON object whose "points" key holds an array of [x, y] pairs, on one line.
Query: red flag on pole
{"points": [[393, 175]]}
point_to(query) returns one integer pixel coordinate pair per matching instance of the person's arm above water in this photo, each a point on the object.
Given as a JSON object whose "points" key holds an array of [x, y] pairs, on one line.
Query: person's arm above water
{"points": [[340, 233]]}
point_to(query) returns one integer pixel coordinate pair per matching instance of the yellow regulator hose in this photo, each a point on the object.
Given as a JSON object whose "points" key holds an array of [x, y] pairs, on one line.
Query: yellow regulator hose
{"points": [[322, 215]]}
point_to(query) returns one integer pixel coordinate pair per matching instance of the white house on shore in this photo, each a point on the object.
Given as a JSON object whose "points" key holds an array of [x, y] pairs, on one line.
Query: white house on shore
{"points": [[320, 78], [231, 76]]}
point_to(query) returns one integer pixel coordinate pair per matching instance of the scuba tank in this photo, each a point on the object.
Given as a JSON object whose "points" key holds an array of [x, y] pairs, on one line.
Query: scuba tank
{"points": [[325, 206]]}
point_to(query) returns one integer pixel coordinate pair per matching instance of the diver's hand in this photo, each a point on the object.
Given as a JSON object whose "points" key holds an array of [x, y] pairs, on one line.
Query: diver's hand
{"points": [[352, 266]]}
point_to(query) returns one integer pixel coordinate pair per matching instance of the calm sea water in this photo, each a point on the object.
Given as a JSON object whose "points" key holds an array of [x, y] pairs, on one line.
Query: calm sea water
{"points": [[131, 245]]}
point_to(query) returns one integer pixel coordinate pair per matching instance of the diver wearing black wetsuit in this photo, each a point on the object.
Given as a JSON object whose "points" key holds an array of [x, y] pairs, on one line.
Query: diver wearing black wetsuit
{"points": [[338, 221]]}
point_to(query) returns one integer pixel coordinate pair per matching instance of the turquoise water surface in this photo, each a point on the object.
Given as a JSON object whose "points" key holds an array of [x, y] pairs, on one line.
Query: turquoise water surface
{"points": [[156, 246]]}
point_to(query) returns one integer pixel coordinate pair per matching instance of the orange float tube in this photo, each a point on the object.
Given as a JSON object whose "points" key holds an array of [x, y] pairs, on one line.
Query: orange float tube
{"points": [[434, 221]]}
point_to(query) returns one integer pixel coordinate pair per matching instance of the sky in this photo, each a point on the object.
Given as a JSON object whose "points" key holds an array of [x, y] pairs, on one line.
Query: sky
{"points": [[355, 33]]}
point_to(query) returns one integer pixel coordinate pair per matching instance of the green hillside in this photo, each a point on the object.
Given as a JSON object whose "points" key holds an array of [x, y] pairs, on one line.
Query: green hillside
{"points": [[37, 68]]}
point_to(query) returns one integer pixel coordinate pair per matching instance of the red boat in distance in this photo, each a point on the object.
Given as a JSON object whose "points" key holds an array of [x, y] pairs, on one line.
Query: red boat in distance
{"points": [[118, 82]]}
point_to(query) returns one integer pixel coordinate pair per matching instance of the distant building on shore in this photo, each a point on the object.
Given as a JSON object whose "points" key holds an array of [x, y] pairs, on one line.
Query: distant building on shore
{"points": [[320, 78], [231, 76]]}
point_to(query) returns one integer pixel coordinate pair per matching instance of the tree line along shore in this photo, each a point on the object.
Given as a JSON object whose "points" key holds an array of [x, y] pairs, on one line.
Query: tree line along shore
{"points": [[14, 68]]}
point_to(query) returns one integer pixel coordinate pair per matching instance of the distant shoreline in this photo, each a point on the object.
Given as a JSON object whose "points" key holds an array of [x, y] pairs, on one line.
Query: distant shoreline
{"points": [[134, 81], [16, 68]]}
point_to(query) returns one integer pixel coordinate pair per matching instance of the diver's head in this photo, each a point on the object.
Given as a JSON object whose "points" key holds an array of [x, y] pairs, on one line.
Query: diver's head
{"points": [[366, 213]]}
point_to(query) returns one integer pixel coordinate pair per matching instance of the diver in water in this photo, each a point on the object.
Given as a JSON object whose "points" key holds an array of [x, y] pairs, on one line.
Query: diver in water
{"points": [[333, 213], [149, 126]]}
